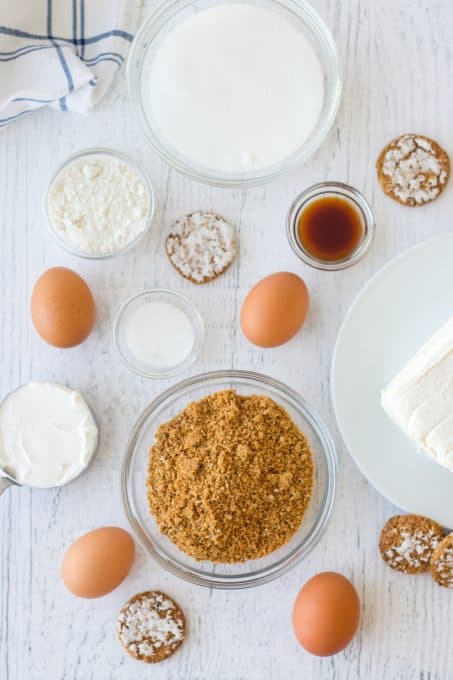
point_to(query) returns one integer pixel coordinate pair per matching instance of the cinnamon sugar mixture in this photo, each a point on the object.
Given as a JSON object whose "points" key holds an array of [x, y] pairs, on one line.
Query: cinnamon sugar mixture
{"points": [[230, 477]]}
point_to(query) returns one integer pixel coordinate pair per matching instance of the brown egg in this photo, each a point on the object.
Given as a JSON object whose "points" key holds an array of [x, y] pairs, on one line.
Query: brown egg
{"points": [[274, 310], [98, 562], [62, 307], [326, 614]]}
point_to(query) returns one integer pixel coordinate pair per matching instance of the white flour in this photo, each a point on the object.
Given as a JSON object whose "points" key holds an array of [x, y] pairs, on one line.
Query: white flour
{"points": [[248, 97], [98, 204]]}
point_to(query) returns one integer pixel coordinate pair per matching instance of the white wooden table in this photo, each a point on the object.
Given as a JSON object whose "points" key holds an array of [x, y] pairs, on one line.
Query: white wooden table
{"points": [[398, 58]]}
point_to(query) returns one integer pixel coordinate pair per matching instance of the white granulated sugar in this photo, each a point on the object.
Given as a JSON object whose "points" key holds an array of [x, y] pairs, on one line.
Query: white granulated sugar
{"points": [[98, 204], [414, 169], [201, 246], [249, 96], [415, 548], [149, 623]]}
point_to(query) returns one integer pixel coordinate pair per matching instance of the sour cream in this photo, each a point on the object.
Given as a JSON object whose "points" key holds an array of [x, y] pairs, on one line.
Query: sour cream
{"points": [[47, 434], [235, 88]]}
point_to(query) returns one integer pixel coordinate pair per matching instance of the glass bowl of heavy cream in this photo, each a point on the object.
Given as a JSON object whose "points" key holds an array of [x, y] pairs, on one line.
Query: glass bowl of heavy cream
{"points": [[234, 93], [158, 333]]}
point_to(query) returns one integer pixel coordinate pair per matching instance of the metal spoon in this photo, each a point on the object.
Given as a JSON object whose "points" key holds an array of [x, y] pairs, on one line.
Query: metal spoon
{"points": [[5, 482]]}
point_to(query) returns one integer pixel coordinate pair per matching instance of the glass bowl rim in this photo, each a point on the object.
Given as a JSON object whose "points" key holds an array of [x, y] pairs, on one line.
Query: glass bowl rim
{"points": [[325, 43], [198, 330], [284, 564], [350, 193], [119, 155]]}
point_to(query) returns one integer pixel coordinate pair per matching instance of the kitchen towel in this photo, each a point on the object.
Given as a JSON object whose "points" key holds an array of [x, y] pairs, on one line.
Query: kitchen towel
{"points": [[61, 53]]}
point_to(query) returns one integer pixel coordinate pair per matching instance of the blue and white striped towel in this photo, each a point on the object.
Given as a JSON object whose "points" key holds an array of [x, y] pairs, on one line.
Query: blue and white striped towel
{"points": [[61, 53]]}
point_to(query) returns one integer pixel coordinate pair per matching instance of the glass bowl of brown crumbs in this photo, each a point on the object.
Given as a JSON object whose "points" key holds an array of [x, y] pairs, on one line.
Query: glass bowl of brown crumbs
{"points": [[228, 479]]}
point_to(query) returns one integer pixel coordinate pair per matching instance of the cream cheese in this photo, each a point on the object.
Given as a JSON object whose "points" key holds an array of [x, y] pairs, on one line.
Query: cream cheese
{"points": [[47, 434], [420, 398]]}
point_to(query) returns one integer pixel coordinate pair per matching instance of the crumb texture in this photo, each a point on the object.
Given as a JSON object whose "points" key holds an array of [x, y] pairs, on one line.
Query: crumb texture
{"points": [[151, 626], [407, 542], [413, 169], [201, 246], [442, 562], [230, 477]]}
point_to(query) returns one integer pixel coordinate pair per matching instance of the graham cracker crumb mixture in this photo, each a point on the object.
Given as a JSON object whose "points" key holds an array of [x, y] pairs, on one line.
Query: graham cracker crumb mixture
{"points": [[230, 477]]}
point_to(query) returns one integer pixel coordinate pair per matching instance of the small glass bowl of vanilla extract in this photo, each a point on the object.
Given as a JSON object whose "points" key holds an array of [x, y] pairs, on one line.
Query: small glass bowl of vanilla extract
{"points": [[330, 226]]}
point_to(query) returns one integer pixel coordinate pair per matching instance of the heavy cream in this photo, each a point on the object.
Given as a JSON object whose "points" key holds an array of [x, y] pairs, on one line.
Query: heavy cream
{"points": [[236, 88], [420, 398], [159, 335], [47, 434]]}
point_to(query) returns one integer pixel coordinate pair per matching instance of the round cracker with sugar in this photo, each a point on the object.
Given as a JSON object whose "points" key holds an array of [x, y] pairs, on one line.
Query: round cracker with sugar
{"points": [[151, 626], [413, 169], [407, 542], [201, 246], [442, 562]]}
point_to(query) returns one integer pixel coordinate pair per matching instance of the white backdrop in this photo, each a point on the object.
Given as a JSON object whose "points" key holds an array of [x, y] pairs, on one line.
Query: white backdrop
{"points": [[397, 58]]}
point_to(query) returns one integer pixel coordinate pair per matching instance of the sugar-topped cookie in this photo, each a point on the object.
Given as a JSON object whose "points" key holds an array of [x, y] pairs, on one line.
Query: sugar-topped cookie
{"points": [[442, 562], [407, 542], [413, 169], [151, 626], [201, 246]]}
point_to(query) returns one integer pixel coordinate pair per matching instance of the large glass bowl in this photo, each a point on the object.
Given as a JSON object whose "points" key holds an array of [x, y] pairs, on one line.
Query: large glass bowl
{"points": [[169, 14], [134, 472]]}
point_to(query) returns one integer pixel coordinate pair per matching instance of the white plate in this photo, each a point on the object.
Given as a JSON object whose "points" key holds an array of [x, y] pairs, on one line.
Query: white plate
{"points": [[393, 315]]}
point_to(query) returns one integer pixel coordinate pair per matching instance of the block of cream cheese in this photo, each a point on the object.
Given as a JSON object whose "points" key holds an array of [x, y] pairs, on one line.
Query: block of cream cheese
{"points": [[420, 398]]}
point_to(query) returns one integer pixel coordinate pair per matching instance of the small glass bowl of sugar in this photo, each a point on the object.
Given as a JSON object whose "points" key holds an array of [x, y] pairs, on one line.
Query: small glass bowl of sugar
{"points": [[158, 333]]}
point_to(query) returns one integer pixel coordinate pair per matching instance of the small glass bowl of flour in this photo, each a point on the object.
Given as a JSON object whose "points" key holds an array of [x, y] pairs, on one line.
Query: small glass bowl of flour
{"points": [[158, 333], [99, 204]]}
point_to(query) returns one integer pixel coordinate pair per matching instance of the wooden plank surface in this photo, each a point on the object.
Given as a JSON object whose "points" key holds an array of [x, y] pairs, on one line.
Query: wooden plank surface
{"points": [[397, 62]]}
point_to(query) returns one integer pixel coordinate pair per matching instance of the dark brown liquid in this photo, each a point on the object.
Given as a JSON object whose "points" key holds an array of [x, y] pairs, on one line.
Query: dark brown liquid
{"points": [[330, 228]]}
